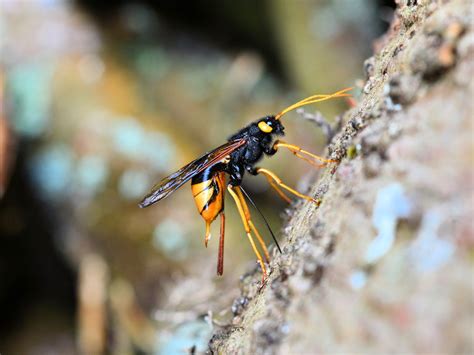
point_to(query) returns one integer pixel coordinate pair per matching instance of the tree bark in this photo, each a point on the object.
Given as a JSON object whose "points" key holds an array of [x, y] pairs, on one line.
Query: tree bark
{"points": [[384, 264]]}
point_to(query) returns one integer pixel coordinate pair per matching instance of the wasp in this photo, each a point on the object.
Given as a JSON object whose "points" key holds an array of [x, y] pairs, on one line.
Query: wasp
{"points": [[223, 169]]}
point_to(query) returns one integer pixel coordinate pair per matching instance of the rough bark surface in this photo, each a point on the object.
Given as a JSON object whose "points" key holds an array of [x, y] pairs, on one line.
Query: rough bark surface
{"points": [[384, 264]]}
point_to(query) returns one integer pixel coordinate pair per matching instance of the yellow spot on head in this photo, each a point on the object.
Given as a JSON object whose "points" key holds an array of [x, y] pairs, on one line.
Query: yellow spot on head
{"points": [[264, 127]]}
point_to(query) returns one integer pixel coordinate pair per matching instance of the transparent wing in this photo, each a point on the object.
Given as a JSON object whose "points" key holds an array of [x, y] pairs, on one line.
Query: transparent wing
{"points": [[174, 181]]}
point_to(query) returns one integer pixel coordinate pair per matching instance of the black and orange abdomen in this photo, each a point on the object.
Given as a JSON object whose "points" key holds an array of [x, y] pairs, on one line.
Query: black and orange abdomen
{"points": [[208, 192]]}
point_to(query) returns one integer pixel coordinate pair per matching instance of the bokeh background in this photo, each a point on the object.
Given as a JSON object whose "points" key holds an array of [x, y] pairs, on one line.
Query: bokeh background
{"points": [[99, 100]]}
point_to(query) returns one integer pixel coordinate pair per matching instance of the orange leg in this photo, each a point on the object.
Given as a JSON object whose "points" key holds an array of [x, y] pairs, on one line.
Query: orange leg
{"points": [[220, 258], [252, 226], [277, 180], [243, 216], [277, 189], [303, 154]]}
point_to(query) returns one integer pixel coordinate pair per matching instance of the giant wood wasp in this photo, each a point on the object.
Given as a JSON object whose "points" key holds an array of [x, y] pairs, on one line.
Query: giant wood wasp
{"points": [[234, 158]]}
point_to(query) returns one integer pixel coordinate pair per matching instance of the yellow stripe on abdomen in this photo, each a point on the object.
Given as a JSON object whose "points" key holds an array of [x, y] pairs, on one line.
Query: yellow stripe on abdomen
{"points": [[209, 196]]}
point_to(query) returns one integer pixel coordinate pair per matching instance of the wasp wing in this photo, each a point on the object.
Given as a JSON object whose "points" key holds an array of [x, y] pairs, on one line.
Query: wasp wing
{"points": [[173, 182]]}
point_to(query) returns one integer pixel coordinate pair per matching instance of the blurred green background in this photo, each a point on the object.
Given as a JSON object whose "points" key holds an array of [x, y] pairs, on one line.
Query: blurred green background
{"points": [[99, 100]]}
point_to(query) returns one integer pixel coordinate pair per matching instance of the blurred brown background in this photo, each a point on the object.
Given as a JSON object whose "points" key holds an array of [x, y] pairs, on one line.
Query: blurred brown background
{"points": [[100, 100]]}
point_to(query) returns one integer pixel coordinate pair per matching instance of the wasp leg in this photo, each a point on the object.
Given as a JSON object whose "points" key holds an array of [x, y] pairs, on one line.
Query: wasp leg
{"points": [[220, 258], [277, 189], [272, 183], [277, 180], [241, 210], [252, 226], [300, 153]]}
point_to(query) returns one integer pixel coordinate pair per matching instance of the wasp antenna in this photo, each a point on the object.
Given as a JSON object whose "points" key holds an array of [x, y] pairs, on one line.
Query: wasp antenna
{"points": [[314, 99], [263, 217]]}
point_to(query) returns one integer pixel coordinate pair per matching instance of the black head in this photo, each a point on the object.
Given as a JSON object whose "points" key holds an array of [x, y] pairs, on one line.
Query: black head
{"points": [[270, 125]]}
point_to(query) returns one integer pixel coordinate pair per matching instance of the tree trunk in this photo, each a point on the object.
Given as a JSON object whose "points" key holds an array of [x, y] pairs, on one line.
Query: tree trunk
{"points": [[384, 264]]}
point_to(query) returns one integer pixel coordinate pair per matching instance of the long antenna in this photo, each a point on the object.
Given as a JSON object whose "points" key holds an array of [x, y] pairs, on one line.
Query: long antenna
{"points": [[264, 219], [313, 99]]}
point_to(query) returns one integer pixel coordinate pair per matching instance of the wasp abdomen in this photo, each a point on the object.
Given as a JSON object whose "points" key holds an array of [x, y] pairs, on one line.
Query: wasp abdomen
{"points": [[208, 192]]}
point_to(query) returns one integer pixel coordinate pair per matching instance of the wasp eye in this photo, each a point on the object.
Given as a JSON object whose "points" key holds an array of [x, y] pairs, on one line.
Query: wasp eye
{"points": [[264, 127]]}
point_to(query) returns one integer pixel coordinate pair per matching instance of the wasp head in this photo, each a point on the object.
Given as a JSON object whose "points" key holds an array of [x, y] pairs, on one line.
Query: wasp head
{"points": [[270, 125]]}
